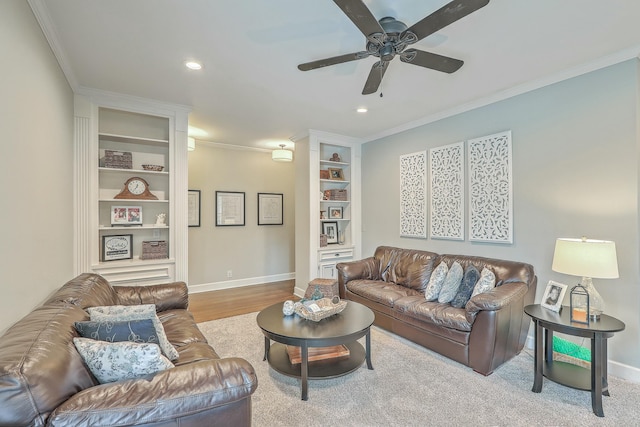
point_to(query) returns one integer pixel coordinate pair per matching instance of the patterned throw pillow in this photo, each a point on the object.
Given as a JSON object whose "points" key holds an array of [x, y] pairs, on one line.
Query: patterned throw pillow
{"points": [[436, 281], [135, 312], [471, 276], [486, 283], [110, 362], [140, 331], [451, 283]]}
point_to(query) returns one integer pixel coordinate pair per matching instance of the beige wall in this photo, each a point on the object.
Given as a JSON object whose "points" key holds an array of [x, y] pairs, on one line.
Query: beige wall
{"points": [[255, 254], [36, 177], [575, 168]]}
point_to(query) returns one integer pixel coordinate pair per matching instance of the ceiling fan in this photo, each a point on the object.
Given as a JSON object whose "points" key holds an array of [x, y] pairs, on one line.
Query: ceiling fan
{"points": [[389, 37]]}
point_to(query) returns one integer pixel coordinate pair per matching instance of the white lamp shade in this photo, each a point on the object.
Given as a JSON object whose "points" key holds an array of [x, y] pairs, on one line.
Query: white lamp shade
{"points": [[282, 155], [191, 144], [586, 258]]}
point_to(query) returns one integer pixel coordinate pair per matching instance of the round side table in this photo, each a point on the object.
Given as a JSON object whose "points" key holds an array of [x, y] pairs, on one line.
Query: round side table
{"points": [[594, 380]]}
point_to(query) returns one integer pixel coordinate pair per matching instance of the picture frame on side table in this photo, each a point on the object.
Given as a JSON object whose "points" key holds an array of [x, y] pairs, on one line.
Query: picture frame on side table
{"points": [[553, 296], [330, 228], [335, 212], [126, 215], [270, 209], [230, 208], [336, 174], [117, 247], [193, 201]]}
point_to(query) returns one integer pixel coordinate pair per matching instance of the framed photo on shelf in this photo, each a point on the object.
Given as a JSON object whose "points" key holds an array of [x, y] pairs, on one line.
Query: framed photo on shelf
{"points": [[335, 212], [117, 247], [230, 208], [193, 201], [270, 209], [331, 230], [553, 296], [126, 215], [336, 174]]}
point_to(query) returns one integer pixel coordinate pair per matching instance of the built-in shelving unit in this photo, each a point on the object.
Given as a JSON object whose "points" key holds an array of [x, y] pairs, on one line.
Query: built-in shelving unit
{"points": [[331, 165], [147, 133]]}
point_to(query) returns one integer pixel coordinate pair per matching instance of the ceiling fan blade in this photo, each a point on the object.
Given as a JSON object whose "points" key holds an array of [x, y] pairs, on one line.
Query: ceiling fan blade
{"points": [[361, 16], [431, 60], [447, 14], [332, 61], [375, 77]]}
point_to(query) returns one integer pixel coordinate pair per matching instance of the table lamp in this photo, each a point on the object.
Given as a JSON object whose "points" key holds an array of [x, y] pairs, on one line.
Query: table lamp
{"points": [[590, 259]]}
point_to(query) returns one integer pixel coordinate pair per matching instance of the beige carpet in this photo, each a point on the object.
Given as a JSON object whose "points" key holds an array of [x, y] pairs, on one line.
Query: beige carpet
{"points": [[412, 386]]}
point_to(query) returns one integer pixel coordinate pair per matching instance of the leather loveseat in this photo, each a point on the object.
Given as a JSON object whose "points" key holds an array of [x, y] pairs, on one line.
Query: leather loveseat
{"points": [[44, 382], [483, 334]]}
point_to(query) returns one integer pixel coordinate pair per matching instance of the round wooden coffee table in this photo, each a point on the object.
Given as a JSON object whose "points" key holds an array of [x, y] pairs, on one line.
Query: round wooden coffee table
{"points": [[343, 328]]}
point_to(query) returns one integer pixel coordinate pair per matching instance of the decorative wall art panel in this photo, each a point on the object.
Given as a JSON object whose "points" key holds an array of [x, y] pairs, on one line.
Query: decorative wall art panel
{"points": [[490, 189], [446, 170], [413, 195]]}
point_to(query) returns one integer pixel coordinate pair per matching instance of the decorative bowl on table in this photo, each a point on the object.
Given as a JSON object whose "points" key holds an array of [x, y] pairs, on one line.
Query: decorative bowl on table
{"points": [[154, 168], [319, 309]]}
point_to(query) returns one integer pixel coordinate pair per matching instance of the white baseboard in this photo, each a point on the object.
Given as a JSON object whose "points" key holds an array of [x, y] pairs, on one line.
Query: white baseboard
{"points": [[239, 283], [299, 292], [616, 369]]}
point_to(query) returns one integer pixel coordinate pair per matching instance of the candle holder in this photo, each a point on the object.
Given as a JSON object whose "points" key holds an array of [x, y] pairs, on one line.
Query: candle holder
{"points": [[579, 305]]}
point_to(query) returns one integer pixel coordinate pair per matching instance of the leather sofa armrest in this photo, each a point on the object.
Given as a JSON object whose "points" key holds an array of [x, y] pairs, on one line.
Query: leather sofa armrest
{"points": [[167, 296], [180, 391], [368, 268], [495, 299]]}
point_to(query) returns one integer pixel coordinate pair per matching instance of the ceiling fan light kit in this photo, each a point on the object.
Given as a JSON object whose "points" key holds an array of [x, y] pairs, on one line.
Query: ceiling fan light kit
{"points": [[388, 38]]}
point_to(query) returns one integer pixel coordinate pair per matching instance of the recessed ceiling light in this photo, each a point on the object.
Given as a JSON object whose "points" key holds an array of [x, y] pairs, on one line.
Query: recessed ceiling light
{"points": [[362, 110], [193, 65]]}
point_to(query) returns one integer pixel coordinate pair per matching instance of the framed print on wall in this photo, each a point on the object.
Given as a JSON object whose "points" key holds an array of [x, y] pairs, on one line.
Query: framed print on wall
{"points": [[413, 195], [270, 209], [446, 167], [193, 202], [230, 208]]}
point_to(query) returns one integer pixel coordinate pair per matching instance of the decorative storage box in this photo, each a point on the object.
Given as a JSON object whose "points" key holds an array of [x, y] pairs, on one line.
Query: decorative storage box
{"points": [[117, 159], [336, 194], [324, 174], [154, 249]]}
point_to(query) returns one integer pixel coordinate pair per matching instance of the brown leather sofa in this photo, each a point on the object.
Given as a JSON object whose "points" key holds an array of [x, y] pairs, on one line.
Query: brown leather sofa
{"points": [[484, 334], [43, 381]]}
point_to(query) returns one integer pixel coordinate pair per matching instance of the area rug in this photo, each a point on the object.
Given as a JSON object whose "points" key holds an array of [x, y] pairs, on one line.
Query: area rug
{"points": [[413, 386]]}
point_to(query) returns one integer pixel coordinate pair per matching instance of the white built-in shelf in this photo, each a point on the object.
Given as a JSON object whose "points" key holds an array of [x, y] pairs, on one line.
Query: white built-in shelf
{"points": [[132, 139], [134, 227], [136, 171], [334, 201], [334, 219], [132, 262], [330, 163], [133, 200], [334, 181]]}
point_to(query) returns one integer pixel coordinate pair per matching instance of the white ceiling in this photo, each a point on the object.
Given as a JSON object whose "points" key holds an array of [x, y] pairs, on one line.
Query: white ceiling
{"points": [[251, 93]]}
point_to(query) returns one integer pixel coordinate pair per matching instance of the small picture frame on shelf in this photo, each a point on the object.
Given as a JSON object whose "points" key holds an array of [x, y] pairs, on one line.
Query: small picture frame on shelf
{"points": [[323, 215], [553, 296], [335, 212], [126, 215], [331, 230], [117, 247], [324, 174], [336, 174]]}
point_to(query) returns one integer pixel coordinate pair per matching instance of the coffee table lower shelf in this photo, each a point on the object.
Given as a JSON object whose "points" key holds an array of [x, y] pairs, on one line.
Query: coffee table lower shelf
{"points": [[320, 369]]}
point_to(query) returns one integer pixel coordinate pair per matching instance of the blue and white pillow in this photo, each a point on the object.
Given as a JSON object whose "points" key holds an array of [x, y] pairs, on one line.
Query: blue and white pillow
{"points": [[436, 281], [110, 362], [469, 280], [486, 283], [451, 283], [135, 312], [140, 331]]}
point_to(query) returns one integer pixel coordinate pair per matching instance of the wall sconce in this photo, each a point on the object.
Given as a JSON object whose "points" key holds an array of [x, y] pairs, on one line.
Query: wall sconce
{"points": [[191, 144], [282, 155], [587, 258]]}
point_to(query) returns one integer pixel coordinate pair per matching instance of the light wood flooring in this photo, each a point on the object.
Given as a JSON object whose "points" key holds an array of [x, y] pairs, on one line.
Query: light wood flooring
{"points": [[213, 305]]}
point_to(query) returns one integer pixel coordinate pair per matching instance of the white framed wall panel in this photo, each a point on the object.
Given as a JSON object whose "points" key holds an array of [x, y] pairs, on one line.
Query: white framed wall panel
{"points": [[446, 172], [491, 189], [413, 195]]}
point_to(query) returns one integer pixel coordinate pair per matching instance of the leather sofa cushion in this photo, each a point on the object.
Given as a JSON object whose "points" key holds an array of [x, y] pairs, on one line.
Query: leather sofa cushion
{"points": [[435, 313], [407, 267], [85, 290], [381, 292]]}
